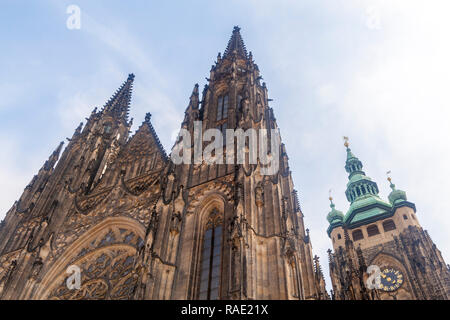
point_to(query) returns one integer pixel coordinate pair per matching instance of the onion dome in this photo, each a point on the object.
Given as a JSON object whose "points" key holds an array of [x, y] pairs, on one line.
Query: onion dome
{"points": [[396, 196], [334, 215]]}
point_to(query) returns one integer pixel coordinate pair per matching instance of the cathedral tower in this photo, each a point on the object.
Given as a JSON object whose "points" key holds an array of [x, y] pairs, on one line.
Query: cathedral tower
{"points": [[384, 238], [139, 226]]}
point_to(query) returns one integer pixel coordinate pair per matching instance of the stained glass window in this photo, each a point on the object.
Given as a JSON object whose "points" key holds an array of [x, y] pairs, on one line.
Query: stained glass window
{"points": [[211, 261]]}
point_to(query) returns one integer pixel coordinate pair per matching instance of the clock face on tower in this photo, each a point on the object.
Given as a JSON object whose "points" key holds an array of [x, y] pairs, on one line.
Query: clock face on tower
{"points": [[391, 279]]}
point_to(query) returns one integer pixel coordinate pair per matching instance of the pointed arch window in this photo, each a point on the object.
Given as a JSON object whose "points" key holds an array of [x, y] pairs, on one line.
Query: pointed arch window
{"points": [[222, 107], [211, 258]]}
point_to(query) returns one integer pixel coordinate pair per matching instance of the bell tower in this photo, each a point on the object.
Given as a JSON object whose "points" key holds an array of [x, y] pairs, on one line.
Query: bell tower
{"points": [[384, 240]]}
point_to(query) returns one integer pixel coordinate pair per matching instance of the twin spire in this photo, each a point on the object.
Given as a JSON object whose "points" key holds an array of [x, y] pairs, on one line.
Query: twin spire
{"points": [[118, 105]]}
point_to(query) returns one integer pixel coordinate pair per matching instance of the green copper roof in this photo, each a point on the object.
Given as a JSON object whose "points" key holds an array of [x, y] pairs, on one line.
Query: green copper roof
{"points": [[362, 193], [334, 215], [396, 196], [367, 207]]}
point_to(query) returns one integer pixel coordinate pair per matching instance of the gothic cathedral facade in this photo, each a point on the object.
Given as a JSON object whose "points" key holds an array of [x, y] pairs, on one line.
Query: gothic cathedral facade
{"points": [[139, 226], [382, 240]]}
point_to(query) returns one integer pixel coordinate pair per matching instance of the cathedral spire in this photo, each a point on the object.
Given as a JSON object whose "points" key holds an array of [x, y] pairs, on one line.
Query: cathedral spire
{"points": [[119, 104], [53, 157], [148, 122], [236, 45], [194, 99]]}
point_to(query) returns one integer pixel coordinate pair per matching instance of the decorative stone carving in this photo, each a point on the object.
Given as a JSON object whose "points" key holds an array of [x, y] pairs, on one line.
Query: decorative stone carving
{"points": [[259, 195]]}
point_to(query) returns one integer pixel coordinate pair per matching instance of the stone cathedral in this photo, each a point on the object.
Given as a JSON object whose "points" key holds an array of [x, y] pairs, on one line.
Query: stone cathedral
{"points": [[140, 227], [388, 237]]}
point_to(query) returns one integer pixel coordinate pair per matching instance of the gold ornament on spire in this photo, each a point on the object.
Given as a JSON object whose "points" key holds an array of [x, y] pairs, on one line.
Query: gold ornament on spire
{"points": [[388, 177], [329, 195], [346, 141]]}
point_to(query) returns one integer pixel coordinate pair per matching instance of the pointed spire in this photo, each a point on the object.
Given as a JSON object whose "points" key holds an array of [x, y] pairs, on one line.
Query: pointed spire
{"points": [[147, 123], [119, 104], [53, 157], [194, 99], [236, 45], [195, 91], [348, 241]]}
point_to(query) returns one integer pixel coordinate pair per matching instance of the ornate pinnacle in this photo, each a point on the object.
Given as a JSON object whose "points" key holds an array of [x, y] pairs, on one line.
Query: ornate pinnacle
{"points": [[236, 45], [118, 105]]}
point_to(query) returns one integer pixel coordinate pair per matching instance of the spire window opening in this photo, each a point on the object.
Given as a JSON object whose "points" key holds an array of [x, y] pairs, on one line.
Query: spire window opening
{"points": [[405, 217], [222, 108]]}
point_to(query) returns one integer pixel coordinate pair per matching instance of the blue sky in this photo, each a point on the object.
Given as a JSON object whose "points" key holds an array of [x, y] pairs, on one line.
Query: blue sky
{"points": [[376, 71]]}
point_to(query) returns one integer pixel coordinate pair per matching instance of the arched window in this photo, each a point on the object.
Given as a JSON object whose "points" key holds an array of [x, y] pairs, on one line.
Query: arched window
{"points": [[211, 258], [339, 236], [357, 235], [388, 225], [372, 230], [222, 107], [405, 217]]}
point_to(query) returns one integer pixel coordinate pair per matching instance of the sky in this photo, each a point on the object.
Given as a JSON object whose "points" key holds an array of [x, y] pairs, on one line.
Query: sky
{"points": [[375, 71]]}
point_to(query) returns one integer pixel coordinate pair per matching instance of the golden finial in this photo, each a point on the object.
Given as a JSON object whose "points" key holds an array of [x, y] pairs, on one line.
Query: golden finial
{"points": [[388, 177], [329, 195], [346, 141]]}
